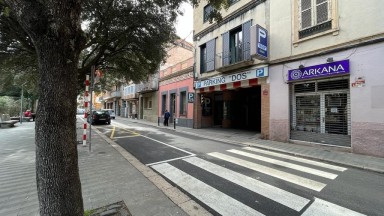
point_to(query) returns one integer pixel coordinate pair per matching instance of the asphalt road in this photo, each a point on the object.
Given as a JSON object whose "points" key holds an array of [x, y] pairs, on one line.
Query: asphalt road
{"points": [[229, 179]]}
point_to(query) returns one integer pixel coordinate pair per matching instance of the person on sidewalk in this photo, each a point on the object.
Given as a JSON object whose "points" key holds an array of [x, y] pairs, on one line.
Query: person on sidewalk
{"points": [[166, 117]]}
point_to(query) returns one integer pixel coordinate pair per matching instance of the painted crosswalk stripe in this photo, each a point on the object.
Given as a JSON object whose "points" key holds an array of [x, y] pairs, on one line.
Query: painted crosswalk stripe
{"points": [[304, 182], [278, 195], [316, 163], [286, 164], [321, 207], [218, 201]]}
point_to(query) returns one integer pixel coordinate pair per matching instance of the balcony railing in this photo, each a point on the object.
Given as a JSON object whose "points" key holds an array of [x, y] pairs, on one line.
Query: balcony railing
{"points": [[234, 59], [116, 94]]}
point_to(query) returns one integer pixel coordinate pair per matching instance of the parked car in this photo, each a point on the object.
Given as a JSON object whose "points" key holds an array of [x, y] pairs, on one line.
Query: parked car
{"points": [[111, 112], [99, 116]]}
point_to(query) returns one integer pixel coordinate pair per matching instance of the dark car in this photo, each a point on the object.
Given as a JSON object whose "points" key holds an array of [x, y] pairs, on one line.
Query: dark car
{"points": [[99, 117]]}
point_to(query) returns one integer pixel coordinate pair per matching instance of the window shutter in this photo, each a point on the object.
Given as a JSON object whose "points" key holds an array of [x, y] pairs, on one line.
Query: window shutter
{"points": [[211, 48], [306, 13], [321, 11], [226, 53], [247, 40]]}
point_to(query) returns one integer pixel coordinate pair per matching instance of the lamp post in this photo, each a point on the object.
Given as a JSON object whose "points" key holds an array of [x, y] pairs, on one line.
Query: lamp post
{"points": [[21, 103]]}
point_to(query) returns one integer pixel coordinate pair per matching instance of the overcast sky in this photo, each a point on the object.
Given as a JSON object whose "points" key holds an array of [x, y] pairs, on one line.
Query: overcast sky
{"points": [[184, 25]]}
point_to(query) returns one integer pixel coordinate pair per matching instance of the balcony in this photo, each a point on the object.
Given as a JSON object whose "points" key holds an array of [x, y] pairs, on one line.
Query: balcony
{"points": [[151, 85], [116, 94], [235, 59]]}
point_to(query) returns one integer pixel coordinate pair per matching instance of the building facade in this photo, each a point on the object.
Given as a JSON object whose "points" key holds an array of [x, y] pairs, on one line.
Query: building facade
{"points": [[176, 84], [325, 70], [321, 61], [232, 87]]}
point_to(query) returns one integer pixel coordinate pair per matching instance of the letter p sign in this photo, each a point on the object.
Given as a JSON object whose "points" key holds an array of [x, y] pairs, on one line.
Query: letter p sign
{"points": [[262, 42]]}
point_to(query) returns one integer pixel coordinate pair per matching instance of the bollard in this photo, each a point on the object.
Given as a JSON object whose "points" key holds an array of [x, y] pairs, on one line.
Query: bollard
{"points": [[158, 121], [174, 123]]}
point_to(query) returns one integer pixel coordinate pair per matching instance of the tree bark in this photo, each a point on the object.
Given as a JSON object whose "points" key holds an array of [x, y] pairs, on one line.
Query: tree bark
{"points": [[54, 27]]}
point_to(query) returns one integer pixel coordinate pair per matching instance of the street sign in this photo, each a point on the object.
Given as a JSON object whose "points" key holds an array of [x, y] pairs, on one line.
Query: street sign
{"points": [[261, 42], [262, 72], [191, 97]]}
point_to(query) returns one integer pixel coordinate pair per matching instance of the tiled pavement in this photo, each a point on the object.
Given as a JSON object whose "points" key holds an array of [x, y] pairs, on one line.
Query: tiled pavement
{"points": [[108, 174]]}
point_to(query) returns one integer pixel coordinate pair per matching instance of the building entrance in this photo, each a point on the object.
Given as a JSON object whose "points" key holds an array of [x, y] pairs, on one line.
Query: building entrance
{"points": [[246, 109]]}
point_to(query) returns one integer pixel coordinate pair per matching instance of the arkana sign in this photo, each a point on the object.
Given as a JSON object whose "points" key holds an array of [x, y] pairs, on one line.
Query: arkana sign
{"points": [[246, 75], [319, 71]]}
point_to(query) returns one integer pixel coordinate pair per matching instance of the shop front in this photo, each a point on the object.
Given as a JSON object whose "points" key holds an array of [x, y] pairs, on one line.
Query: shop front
{"points": [[320, 105]]}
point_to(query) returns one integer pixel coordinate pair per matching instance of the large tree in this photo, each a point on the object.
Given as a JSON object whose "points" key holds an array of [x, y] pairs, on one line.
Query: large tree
{"points": [[127, 37]]}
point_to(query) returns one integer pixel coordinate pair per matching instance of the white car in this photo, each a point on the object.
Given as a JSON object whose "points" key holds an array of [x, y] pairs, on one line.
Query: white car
{"points": [[111, 112]]}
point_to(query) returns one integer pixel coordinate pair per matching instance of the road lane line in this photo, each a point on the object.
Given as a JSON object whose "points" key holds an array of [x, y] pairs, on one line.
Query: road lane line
{"points": [[169, 145], [113, 132], [161, 142], [316, 163], [301, 181], [126, 136], [276, 194], [321, 207], [286, 164], [173, 159], [218, 201]]}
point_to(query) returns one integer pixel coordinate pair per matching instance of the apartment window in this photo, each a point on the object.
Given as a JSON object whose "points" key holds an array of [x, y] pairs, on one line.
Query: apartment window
{"points": [[183, 103], [207, 11], [314, 17], [207, 56], [236, 44], [148, 103]]}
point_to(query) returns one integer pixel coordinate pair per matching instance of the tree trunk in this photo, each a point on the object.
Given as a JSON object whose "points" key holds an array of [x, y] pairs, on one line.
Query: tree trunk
{"points": [[58, 181], [54, 27]]}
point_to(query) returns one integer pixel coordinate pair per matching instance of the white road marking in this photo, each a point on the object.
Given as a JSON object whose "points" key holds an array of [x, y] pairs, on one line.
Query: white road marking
{"points": [[283, 197], [123, 126], [321, 207], [218, 201], [286, 164], [173, 159], [316, 163], [126, 136], [304, 182]]}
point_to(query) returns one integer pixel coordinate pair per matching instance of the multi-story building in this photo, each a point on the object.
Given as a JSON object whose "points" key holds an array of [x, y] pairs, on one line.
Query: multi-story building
{"points": [[176, 84], [230, 93], [112, 100], [130, 100], [323, 58], [148, 98]]}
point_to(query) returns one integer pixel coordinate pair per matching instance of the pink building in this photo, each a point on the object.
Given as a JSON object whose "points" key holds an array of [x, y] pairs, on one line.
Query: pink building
{"points": [[176, 91]]}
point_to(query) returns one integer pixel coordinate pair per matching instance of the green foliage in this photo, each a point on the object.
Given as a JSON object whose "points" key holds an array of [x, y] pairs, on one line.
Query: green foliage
{"points": [[88, 212], [11, 106], [126, 39]]}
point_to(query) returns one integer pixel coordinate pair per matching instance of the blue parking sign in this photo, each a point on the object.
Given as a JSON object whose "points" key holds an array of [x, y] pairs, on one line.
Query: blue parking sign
{"points": [[261, 42]]}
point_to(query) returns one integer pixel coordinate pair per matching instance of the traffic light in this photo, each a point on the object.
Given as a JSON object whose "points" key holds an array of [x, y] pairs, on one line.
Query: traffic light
{"points": [[202, 99]]}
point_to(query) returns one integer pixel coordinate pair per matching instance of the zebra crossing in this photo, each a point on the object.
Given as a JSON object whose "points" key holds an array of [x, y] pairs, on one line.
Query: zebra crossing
{"points": [[271, 164]]}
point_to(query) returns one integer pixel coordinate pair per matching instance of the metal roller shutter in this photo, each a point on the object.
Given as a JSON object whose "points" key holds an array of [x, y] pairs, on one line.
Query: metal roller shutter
{"points": [[320, 112]]}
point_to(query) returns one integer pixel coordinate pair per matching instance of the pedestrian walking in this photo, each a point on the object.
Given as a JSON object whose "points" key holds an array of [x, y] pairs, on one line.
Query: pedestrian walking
{"points": [[166, 117]]}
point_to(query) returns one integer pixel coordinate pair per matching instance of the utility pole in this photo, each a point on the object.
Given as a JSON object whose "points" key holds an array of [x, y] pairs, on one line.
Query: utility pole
{"points": [[91, 104], [21, 103]]}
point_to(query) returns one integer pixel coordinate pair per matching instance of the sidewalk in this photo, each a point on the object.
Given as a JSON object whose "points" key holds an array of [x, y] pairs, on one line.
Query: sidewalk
{"points": [[247, 138], [108, 174]]}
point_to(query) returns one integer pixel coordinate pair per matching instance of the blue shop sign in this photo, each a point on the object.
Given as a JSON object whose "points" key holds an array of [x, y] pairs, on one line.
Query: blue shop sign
{"points": [[319, 71]]}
